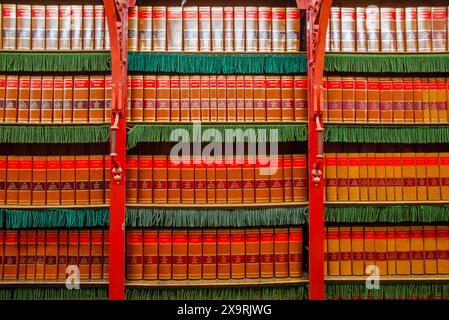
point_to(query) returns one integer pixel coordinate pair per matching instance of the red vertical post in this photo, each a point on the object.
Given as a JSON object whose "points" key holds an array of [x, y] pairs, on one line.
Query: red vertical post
{"points": [[116, 12], [318, 12]]}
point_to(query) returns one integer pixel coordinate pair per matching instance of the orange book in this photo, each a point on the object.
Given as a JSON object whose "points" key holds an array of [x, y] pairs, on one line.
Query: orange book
{"points": [[82, 180], [67, 180], [418, 100], [299, 170], [2, 245], [389, 177], [273, 96], [287, 98], [240, 98], [444, 174], [106, 254], [25, 178], [403, 265], [442, 104], [369, 247], [248, 180], [249, 98], [187, 181], [200, 180], [131, 178], [149, 98], [252, 249], [433, 100], [47, 99], [417, 249], [195, 98], [398, 180], [159, 179], [277, 181], [205, 111], [331, 176], [80, 99], [51, 254], [31, 254], [96, 254], [145, 179], [2, 179], [231, 96], [84, 254], [278, 29], [134, 254], [409, 104], [150, 254], [353, 177], [163, 98], [96, 177], [22, 253], [3, 95], [23, 108], [430, 250], [96, 99], [292, 29], [209, 261], [165, 254], [11, 255], [381, 181], [210, 181], [333, 248], [221, 192], [39, 180], [174, 182], [409, 177], [398, 100], [204, 25], [62, 252], [373, 99], [159, 28], [295, 252], [266, 252], [425, 100], [357, 250], [421, 178], [217, 28], [262, 179], [224, 253], [334, 99], [238, 253], [281, 260], [179, 258], [348, 99], [67, 104], [442, 233], [185, 99], [345, 251], [11, 96], [133, 28], [342, 177], [175, 102], [391, 250], [23, 27], [40, 255], [58, 96], [380, 249], [195, 254], [144, 27], [433, 177], [260, 111], [386, 100], [288, 177], [300, 96], [213, 98], [73, 250], [12, 180]]}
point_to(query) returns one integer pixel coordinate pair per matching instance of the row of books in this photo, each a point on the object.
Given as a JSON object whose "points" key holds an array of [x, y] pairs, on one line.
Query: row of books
{"points": [[388, 29], [214, 253], [47, 253], [394, 250], [387, 176], [386, 100], [54, 180], [53, 27], [159, 179]]}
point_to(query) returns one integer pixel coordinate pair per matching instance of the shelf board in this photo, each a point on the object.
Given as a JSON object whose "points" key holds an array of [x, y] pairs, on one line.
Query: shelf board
{"points": [[217, 283], [389, 124], [381, 203], [217, 205], [79, 206], [211, 123], [64, 124], [56, 282], [390, 278]]}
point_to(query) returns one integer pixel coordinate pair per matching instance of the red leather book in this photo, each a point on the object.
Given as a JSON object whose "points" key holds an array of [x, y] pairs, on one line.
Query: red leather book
{"points": [[96, 255], [210, 181], [194, 254], [82, 185], [22, 254], [281, 255], [149, 98], [252, 251], [195, 98], [248, 180], [300, 98], [288, 177], [31, 255], [51, 254], [361, 99], [175, 103], [23, 107], [398, 99], [409, 115], [53, 185], [209, 254], [150, 254], [96, 177], [277, 181], [40, 255], [373, 100], [84, 254], [58, 95], [159, 179], [238, 253], [299, 177], [179, 258], [11, 255], [134, 254], [273, 96], [80, 99], [266, 253], [234, 181], [224, 253], [106, 254], [62, 253], [145, 179], [165, 254], [262, 180], [163, 98]]}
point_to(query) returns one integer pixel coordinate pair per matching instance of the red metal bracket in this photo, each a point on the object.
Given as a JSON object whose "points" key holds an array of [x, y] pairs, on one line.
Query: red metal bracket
{"points": [[318, 12], [116, 12]]}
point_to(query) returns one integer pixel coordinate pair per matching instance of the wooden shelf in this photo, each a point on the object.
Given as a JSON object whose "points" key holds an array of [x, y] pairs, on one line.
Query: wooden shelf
{"points": [[79, 206], [381, 203], [216, 206], [58, 282], [390, 278]]}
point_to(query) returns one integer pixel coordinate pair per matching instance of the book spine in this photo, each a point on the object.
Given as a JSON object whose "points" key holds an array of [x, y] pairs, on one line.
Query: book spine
{"points": [[47, 99], [299, 169], [265, 27], [195, 254], [277, 181], [82, 180], [11, 255], [11, 95], [23, 27], [380, 249], [425, 100], [411, 29], [386, 100], [391, 250], [195, 98], [9, 31], [288, 177], [342, 177], [200, 181], [334, 99], [238, 253], [372, 179], [373, 28], [184, 98], [287, 98], [51, 254], [133, 32], [3, 95], [96, 99], [361, 41], [373, 100], [300, 94], [433, 177], [165, 254], [205, 96], [38, 27], [240, 98], [223, 254], [62, 253], [107, 175], [204, 26], [99, 25], [23, 108], [292, 29], [159, 28], [361, 100], [217, 17], [430, 249], [333, 247], [239, 29], [331, 176], [354, 177], [24, 181], [417, 249], [345, 250], [266, 252], [96, 254], [433, 100], [145, 179], [421, 179], [251, 36], [65, 24], [84, 254], [40, 254], [210, 181], [159, 179], [131, 179], [209, 261], [174, 29], [295, 239], [442, 233], [163, 98], [369, 247], [408, 100], [149, 98], [252, 252], [348, 28], [403, 265], [107, 98], [3, 180], [107, 43], [21, 274], [76, 15], [58, 95], [273, 96], [39, 181], [174, 182], [389, 177], [35, 101], [228, 29], [249, 98], [190, 29], [357, 250], [129, 97], [31, 243], [281, 252], [260, 102], [221, 98], [444, 175], [221, 192], [67, 180], [262, 179], [398, 181], [67, 106], [439, 23], [424, 22], [80, 99], [134, 254], [12, 180], [137, 98], [348, 99], [150, 254], [335, 29], [235, 181], [96, 177], [53, 180], [248, 180], [400, 29], [278, 29], [145, 24], [398, 100], [88, 27], [388, 29], [213, 97], [187, 181], [106, 254]]}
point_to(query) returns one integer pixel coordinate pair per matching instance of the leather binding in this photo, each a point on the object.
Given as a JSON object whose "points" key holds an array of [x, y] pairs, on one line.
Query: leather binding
{"points": [[144, 28], [131, 178], [25, 178], [58, 95], [433, 100], [281, 253], [403, 263], [239, 29], [67, 180], [51, 254], [134, 254], [361, 41], [421, 179], [354, 176], [217, 22], [292, 29], [266, 252], [260, 111], [163, 98], [369, 247], [273, 94], [444, 174], [439, 28], [424, 22], [373, 28], [40, 254], [195, 254], [39, 180], [287, 98], [209, 254], [21, 274], [333, 247], [345, 250], [361, 99], [88, 27], [96, 176], [334, 96], [221, 191], [175, 103], [223, 254], [443, 249], [107, 174], [190, 28], [107, 97], [149, 98], [213, 97], [335, 29], [238, 257], [248, 179], [252, 249], [231, 95], [145, 179], [137, 98], [184, 98], [210, 181], [277, 181], [300, 95], [35, 101], [62, 252], [96, 255], [251, 21], [200, 181], [174, 182], [159, 28], [398, 100], [12, 180], [23, 27], [433, 177], [53, 185], [2, 180], [204, 93], [295, 252], [348, 28], [388, 29], [99, 25], [380, 249], [11, 255], [105, 254], [372, 179], [221, 98], [398, 181], [150, 254], [195, 98], [84, 254], [288, 177], [348, 99], [38, 26], [278, 29], [357, 250], [411, 29], [24, 99], [67, 105], [11, 96], [228, 29], [9, 20], [331, 176], [425, 100], [408, 99], [174, 28], [240, 101], [342, 177], [179, 258], [97, 99], [133, 32], [165, 254], [47, 99], [381, 181], [400, 29], [265, 27], [391, 250], [65, 24], [3, 94], [326, 253], [129, 97], [430, 249], [262, 180], [82, 180], [204, 29], [76, 28], [31, 243], [187, 181], [386, 100], [249, 98], [2, 244], [80, 99], [373, 99], [389, 177], [417, 249]]}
